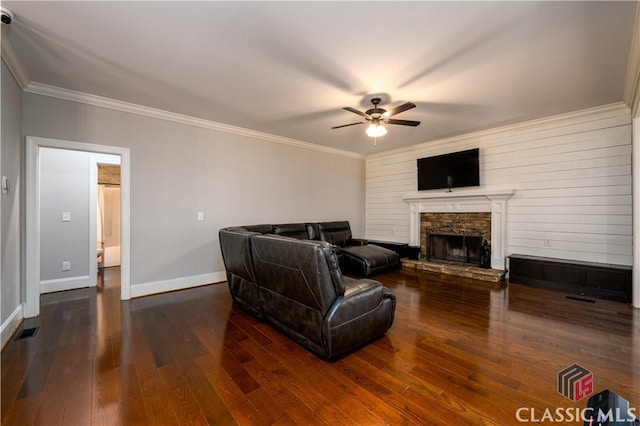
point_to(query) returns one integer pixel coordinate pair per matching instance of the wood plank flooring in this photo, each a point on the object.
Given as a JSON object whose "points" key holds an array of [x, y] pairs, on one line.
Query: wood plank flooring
{"points": [[460, 352]]}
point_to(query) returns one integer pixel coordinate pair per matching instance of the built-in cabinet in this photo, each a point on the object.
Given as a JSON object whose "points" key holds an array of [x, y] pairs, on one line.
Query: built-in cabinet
{"points": [[605, 281]]}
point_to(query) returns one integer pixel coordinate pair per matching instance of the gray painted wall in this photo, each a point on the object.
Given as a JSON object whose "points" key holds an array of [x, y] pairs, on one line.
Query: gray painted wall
{"points": [[10, 246], [64, 187], [178, 170]]}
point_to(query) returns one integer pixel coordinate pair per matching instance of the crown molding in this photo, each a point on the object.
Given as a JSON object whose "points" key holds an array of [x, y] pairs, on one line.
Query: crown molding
{"points": [[13, 62], [103, 102], [516, 127], [631, 95]]}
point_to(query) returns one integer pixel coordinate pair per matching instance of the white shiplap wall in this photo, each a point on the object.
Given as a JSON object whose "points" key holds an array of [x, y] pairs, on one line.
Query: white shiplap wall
{"points": [[572, 174]]}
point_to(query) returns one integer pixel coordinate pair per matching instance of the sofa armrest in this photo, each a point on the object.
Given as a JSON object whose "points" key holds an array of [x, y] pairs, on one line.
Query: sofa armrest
{"points": [[357, 242], [360, 297], [363, 313]]}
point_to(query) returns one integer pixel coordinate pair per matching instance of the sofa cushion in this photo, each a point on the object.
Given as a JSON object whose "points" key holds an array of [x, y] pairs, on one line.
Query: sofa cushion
{"points": [[236, 251], [295, 283], [336, 233], [312, 231], [368, 259], [293, 230], [297, 268], [235, 244], [262, 229]]}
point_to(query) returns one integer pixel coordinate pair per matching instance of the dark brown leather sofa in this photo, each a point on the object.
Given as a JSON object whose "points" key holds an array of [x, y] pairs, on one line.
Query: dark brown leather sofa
{"points": [[356, 256], [296, 286]]}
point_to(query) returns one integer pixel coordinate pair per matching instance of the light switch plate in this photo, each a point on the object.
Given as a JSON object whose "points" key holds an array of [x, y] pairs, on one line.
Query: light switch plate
{"points": [[66, 216], [200, 216]]}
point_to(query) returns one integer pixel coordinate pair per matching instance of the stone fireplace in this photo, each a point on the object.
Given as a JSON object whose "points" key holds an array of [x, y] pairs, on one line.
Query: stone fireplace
{"points": [[471, 227], [475, 212]]}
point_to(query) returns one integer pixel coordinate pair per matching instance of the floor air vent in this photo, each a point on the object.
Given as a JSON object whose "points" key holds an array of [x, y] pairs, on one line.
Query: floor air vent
{"points": [[27, 332]]}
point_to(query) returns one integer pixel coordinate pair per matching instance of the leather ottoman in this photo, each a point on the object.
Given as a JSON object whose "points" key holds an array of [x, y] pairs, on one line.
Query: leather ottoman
{"points": [[367, 260]]}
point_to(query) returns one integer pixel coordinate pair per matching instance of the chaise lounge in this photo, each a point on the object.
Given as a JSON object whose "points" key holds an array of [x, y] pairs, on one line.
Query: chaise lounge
{"points": [[296, 286], [357, 256]]}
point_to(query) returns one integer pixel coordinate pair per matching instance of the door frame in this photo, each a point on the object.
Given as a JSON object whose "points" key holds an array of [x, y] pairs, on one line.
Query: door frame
{"points": [[32, 216]]}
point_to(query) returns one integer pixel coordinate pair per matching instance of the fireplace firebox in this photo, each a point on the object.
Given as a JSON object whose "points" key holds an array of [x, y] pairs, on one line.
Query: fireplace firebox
{"points": [[455, 248]]}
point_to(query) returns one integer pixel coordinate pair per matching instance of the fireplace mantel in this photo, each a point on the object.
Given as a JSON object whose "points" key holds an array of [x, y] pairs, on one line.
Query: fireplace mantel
{"points": [[492, 200]]}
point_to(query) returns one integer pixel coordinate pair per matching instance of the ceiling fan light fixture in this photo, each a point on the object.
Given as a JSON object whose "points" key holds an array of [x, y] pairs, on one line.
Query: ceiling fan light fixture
{"points": [[377, 116], [376, 130]]}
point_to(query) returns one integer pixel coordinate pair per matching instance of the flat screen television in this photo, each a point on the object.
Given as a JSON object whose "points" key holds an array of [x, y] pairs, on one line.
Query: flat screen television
{"points": [[453, 170]]}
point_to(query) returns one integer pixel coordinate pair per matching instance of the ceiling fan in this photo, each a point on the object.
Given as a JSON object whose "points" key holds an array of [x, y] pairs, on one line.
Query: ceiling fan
{"points": [[379, 116]]}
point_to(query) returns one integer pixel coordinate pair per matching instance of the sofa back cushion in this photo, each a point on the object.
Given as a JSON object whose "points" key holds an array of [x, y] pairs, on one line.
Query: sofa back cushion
{"points": [[293, 230], [262, 229], [235, 244], [336, 233], [298, 281], [312, 231]]}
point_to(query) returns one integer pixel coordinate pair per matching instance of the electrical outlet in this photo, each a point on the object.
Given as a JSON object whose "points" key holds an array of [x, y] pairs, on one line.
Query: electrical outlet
{"points": [[66, 266], [66, 216], [200, 216], [547, 242]]}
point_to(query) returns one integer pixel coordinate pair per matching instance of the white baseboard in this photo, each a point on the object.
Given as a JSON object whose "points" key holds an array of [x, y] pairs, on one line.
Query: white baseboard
{"points": [[11, 324], [146, 289], [60, 284]]}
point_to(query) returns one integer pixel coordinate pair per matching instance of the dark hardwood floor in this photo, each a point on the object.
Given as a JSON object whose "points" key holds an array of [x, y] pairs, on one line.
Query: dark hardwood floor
{"points": [[459, 353]]}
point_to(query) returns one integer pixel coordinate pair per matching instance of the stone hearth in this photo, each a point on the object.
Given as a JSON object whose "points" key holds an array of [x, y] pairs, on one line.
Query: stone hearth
{"points": [[473, 272]]}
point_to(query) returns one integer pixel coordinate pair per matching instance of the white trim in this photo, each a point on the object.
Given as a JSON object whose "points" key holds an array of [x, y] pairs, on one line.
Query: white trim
{"points": [[146, 289], [635, 164], [13, 62], [61, 284], [32, 215], [32, 230], [488, 192], [537, 125], [100, 101], [11, 324], [493, 200], [93, 221]]}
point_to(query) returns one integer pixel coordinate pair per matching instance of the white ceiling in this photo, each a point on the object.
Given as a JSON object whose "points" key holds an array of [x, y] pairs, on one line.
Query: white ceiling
{"points": [[287, 68]]}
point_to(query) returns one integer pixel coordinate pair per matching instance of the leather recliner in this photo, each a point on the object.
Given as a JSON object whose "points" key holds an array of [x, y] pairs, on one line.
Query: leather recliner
{"points": [[235, 244], [301, 291]]}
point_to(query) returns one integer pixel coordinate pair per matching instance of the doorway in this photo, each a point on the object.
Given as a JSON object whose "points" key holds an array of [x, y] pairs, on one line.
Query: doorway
{"points": [[32, 264], [108, 215]]}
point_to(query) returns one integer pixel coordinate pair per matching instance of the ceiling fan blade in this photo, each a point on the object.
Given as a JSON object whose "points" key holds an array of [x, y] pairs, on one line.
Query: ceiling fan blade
{"points": [[346, 125], [402, 122], [400, 108], [355, 111]]}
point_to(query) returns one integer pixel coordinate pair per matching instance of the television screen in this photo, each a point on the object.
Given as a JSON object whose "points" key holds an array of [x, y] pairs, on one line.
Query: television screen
{"points": [[453, 170]]}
